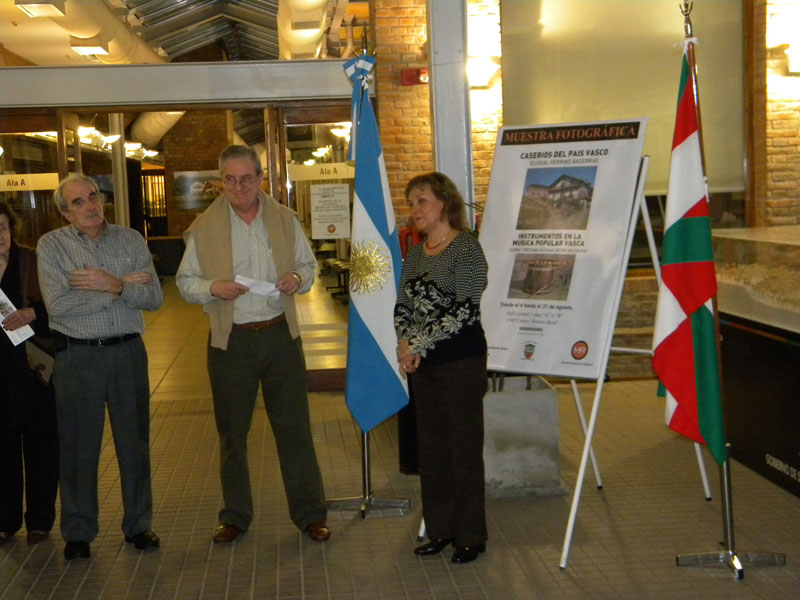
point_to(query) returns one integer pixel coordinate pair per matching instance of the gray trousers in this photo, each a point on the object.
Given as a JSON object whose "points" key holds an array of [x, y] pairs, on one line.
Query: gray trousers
{"points": [[86, 379], [272, 358]]}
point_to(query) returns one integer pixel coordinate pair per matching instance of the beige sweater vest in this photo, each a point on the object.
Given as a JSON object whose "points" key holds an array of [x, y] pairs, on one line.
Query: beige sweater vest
{"points": [[211, 232]]}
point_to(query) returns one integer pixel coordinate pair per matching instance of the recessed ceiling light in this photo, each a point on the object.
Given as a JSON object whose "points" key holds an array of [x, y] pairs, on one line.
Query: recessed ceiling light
{"points": [[38, 8]]}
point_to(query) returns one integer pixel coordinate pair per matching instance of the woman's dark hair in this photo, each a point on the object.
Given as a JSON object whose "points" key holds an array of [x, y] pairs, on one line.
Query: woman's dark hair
{"points": [[446, 191], [6, 210]]}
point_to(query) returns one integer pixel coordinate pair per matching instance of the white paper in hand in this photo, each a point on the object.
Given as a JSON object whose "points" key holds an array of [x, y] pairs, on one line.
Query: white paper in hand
{"points": [[262, 288]]}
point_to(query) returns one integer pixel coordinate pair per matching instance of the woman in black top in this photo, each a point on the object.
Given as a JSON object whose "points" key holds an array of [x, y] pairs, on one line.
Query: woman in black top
{"points": [[28, 438], [442, 348]]}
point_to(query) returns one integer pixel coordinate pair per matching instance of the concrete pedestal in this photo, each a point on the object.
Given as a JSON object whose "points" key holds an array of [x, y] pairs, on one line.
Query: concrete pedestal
{"points": [[520, 450]]}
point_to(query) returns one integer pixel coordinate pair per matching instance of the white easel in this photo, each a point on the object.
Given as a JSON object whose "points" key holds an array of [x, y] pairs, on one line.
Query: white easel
{"points": [[589, 430]]}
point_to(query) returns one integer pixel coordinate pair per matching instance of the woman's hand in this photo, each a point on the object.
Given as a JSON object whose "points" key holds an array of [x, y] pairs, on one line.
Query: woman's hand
{"points": [[409, 363], [19, 318]]}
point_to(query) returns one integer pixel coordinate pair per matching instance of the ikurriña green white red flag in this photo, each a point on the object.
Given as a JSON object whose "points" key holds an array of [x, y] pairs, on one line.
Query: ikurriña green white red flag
{"points": [[684, 341]]}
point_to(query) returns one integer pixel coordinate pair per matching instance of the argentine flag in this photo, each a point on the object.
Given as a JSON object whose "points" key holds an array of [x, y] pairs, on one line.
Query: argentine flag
{"points": [[374, 389]]}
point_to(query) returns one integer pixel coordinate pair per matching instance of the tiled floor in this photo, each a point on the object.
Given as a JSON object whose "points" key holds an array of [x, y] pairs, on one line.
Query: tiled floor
{"points": [[627, 535]]}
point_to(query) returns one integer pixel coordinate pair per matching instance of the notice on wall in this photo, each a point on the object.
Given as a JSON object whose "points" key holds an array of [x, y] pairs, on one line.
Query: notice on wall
{"points": [[554, 232], [330, 211]]}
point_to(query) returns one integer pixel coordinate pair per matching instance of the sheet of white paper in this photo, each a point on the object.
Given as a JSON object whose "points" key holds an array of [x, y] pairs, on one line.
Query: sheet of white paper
{"points": [[262, 288], [18, 335]]}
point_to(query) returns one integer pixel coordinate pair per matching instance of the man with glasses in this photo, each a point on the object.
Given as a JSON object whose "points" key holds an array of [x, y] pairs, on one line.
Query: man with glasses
{"points": [[96, 278], [247, 239]]}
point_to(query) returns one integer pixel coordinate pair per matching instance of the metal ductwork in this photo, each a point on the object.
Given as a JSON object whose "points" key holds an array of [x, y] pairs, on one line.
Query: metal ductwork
{"points": [[87, 19], [150, 127], [93, 19], [301, 28]]}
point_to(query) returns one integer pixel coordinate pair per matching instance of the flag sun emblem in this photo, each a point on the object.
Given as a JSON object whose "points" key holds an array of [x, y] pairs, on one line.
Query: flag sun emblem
{"points": [[369, 267]]}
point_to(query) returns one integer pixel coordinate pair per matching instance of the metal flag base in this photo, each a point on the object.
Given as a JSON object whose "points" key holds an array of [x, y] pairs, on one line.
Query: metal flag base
{"points": [[728, 554], [733, 559], [366, 503], [369, 506]]}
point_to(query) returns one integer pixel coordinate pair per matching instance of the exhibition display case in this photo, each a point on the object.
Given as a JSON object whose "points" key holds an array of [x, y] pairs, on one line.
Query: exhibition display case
{"points": [[758, 275]]}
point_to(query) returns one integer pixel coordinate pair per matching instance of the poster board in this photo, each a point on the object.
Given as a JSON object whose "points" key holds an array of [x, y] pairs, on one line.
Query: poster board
{"points": [[195, 190], [330, 211], [554, 232]]}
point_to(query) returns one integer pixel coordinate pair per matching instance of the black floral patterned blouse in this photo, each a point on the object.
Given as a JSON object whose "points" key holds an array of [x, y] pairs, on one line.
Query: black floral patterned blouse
{"points": [[438, 304]]}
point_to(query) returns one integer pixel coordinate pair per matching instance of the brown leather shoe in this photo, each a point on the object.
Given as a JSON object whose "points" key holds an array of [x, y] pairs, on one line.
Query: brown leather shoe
{"points": [[319, 531], [226, 533]]}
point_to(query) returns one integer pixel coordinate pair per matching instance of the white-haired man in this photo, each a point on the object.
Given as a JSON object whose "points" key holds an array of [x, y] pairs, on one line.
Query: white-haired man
{"points": [[96, 278]]}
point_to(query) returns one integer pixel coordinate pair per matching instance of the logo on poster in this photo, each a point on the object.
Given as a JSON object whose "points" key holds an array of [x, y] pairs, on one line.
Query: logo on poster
{"points": [[331, 228], [528, 351], [580, 350]]}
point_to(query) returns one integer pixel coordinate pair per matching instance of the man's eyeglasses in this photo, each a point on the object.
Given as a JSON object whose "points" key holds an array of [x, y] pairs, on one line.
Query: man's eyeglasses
{"points": [[245, 180]]}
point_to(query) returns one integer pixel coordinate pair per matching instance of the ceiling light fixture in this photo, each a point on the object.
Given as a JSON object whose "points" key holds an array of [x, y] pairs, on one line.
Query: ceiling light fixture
{"points": [[88, 46], [37, 8]]}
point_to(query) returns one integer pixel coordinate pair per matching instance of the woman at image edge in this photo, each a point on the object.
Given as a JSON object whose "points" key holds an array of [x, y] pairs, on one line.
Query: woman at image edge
{"points": [[442, 348]]}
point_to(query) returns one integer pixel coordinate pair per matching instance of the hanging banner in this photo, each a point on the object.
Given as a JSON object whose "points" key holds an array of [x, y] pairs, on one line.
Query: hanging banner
{"points": [[554, 232], [330, 211]]}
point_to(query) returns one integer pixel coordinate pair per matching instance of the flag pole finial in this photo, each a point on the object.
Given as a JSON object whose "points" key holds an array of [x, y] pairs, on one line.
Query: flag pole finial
{"points": [[686, 11]]}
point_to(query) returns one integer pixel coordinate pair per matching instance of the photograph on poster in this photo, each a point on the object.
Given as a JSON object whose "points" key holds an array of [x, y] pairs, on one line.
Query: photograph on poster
{"points": [[196, 190], [541, 276], [556, 198]]}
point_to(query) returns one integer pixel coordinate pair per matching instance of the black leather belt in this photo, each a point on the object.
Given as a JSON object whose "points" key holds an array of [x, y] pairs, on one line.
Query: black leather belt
{"points": [[259, 325], [101, 342]]}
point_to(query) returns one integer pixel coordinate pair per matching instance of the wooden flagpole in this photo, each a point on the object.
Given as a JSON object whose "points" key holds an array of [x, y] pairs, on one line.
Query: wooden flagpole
{"points": [[727, 553]]}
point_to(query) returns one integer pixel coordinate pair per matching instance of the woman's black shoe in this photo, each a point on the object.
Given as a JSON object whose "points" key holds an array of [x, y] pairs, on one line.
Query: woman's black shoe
{"points": [[467, 553], [432, 547]]}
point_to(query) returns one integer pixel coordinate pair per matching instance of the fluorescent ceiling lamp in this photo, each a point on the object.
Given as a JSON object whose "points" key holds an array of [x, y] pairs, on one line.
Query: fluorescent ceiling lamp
{"points": [[1, 151], [37, 8], [309, 162], [88, 46], [340, 131], [149, 153], [86, 131], [132, 145], [110, 139]]}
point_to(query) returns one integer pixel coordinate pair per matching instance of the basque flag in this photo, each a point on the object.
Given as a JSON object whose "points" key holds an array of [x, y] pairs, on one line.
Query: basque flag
{"points": [[374, 389], [684, 340]]}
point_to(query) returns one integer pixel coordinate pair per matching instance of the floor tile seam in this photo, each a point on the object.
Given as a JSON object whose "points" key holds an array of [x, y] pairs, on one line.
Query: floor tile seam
{"points": [[198, 450]]}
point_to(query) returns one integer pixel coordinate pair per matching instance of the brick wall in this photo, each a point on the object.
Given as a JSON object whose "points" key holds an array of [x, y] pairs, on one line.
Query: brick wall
{"points": [[193, 144], [777, 185], [403, 111], [634, 327]]}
